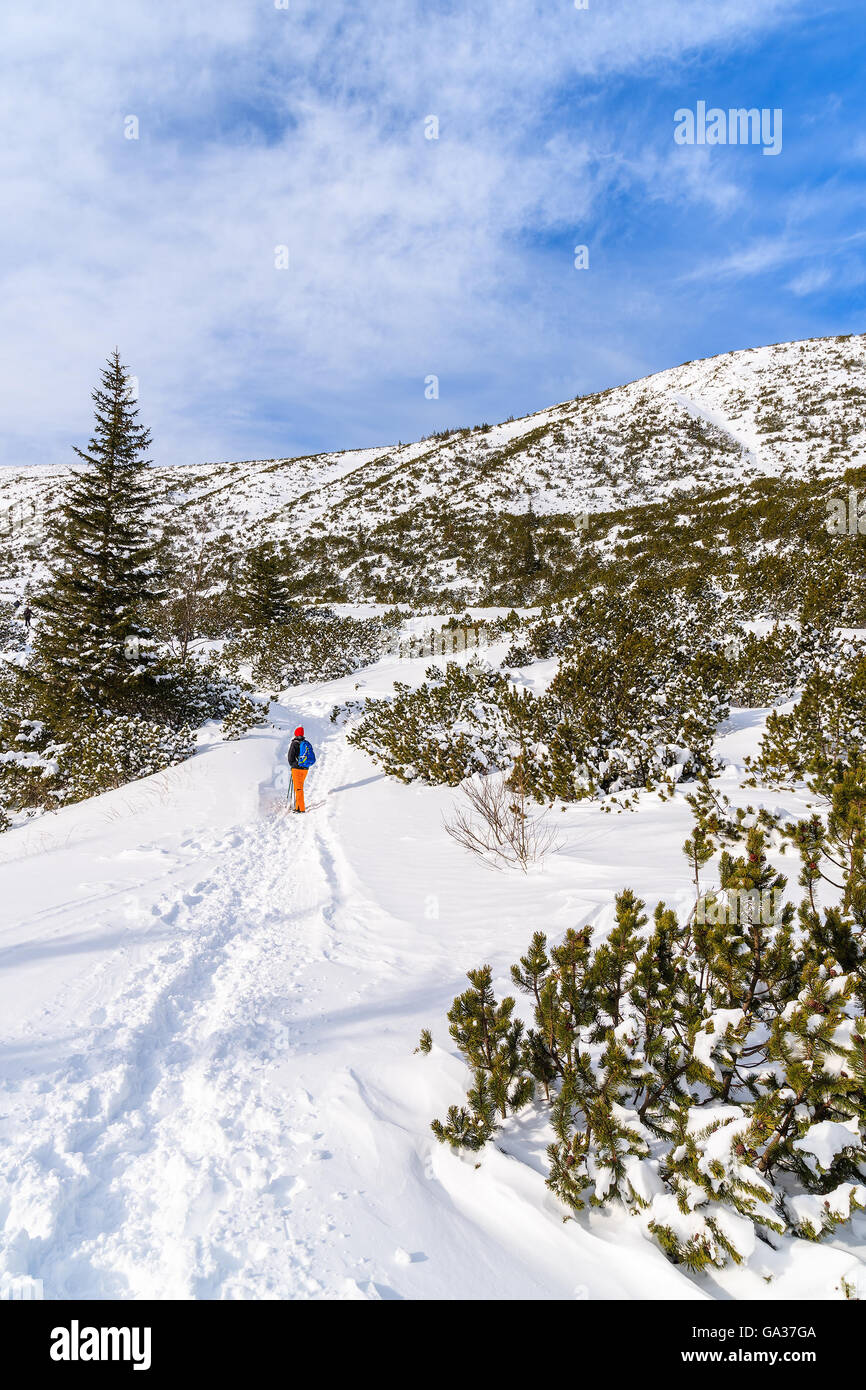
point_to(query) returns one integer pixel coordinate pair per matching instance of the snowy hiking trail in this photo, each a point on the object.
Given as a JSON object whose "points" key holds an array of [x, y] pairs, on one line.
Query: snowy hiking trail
{"points": [[214, 1138], [208, 1085], [181, 1089]]}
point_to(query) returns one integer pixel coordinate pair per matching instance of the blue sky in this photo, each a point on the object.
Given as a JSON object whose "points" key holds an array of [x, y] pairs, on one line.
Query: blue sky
{"points": [[304, 127]]}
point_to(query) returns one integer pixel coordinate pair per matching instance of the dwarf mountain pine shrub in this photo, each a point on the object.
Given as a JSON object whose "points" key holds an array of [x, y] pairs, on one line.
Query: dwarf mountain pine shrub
{"points": [[107, 752], [247, 714], [826, 730], [452, 725], [707, 1075], [316, 646], [614, 717]]}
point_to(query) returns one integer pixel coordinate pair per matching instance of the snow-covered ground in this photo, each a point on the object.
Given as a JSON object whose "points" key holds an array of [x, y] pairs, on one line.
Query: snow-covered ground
{"points": [[209, 1011]]}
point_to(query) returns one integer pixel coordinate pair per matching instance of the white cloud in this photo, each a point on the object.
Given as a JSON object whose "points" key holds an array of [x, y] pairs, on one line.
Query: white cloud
{"points": [[260, 127]]}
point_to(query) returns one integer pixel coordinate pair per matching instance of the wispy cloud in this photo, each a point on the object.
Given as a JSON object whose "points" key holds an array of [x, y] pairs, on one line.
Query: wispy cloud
{"points": [[754, 258], [810, 281]]}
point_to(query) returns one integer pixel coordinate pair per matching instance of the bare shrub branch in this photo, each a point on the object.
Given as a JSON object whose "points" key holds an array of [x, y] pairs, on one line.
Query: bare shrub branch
{"points": [[498, 826]]}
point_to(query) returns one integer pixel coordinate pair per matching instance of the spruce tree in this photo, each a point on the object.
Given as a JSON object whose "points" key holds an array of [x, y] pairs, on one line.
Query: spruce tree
{"points": [[91, 646], [262, 596]]}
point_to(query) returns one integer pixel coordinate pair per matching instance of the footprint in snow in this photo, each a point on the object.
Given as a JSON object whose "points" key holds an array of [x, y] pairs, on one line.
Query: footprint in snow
{"points": [[287, 1187], [297, 1136]]}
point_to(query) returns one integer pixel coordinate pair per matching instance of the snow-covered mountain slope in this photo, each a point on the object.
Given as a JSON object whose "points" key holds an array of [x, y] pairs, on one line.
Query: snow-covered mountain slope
{"points": [[783, 410], [209, 1013]]}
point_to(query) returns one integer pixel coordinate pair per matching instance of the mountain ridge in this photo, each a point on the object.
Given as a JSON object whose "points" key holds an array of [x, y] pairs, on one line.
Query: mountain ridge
{"points": [[783, 410]]}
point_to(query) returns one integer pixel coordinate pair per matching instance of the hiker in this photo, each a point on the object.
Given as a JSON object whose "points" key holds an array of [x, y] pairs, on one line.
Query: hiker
{"points": [[301, 759], [27, 615]]}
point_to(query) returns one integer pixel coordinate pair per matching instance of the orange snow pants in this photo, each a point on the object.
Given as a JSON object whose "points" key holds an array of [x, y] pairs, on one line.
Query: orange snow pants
{"points": [[298, 775]]}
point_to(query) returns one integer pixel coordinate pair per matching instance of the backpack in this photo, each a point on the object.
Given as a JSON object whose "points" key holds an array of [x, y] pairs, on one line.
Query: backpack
{"points": [[306, 756]]}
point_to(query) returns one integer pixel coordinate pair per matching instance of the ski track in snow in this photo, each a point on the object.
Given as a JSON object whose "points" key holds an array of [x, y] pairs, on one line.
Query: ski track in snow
{"points": [[749, 442]]}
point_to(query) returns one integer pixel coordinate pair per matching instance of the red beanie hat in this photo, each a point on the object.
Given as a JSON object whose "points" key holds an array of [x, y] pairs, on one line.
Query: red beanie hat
{"points": [[299, 733]]}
